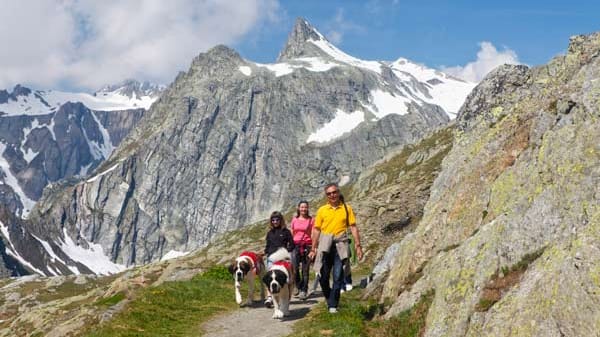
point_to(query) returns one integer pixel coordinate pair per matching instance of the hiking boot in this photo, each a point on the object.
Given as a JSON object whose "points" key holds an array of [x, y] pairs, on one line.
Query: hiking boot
{"points": [[349, 287], [302, 295], [269, 302], [333, 310]]}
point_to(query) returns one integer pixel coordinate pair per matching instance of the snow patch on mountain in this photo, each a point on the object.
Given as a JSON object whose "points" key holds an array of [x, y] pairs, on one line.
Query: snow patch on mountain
{"points": [[12, 181], [172, 254], [93, 257], [340, 56], [13, 252], [315, 64], [445, 90], [29, 154], [385, 103], [342, 122], [97, 176], [100, 151], [245, 70], [49, 250]]}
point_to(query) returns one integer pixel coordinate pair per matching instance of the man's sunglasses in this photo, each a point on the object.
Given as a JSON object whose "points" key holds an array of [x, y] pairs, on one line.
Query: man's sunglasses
{"points": [[331, 193]]}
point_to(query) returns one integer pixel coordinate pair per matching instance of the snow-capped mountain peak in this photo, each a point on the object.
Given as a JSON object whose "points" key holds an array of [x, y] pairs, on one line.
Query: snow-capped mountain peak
{"points": [[132, 89], [306, 42], [444, 90], [129, 95], [401, 81], [297, 46]]}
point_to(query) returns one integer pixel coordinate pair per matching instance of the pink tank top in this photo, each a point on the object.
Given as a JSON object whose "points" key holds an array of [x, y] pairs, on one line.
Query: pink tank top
{"points": [[301, 229]]}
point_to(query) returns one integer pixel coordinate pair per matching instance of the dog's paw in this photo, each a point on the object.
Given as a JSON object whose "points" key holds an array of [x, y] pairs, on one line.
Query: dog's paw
{"points": [[277, 314]]}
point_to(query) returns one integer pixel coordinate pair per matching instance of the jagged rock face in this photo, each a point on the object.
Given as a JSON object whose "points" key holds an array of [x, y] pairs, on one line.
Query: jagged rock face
{"points": [[522, 176], [296, 45], [17, 91], [40, 149], [226, 144], [44, 138]]}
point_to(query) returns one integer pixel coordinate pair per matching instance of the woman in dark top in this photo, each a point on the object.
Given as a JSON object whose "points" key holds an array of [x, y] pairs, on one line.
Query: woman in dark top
{"points": [[277, 237]]}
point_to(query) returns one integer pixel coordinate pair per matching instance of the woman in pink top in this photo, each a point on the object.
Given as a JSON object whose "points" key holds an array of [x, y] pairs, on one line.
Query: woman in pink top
{"points": [[301, 227]]}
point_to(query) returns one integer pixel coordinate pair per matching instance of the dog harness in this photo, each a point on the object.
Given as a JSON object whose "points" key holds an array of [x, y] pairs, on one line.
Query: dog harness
{"points": [[285, 264], [254, 259]]}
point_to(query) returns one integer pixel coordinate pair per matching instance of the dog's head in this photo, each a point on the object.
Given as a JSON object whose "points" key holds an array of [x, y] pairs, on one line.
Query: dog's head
{"points": [[275, 279], [240, 268]]}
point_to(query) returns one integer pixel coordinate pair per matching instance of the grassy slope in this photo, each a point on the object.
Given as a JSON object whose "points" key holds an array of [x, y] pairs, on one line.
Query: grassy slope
{"points": [[357, 317], [173, 308]]}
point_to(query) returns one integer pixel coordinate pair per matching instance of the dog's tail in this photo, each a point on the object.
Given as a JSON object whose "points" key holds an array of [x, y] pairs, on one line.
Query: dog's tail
{"points": [[281, 254]]}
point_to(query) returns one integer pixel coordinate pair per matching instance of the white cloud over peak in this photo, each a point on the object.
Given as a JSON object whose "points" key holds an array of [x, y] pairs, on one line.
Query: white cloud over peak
{"points": [[87, 43], [338, 26], [488, 58]]}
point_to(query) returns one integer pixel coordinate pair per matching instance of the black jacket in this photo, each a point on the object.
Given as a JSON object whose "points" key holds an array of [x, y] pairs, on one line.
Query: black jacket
{"points": [[279, 237]]}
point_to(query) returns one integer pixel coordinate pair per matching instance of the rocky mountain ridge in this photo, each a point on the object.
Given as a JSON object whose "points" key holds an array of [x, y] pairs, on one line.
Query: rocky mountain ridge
{"points": [[50, 135], [509, 236], [229, 141]]}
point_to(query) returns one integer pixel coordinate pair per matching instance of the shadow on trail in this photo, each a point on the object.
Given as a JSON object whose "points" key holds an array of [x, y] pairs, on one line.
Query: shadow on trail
{"points": [[296, 314]]}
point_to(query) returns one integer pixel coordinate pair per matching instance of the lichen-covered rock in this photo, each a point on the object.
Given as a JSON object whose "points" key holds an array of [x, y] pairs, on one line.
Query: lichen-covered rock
{"points": [[523, 176]]}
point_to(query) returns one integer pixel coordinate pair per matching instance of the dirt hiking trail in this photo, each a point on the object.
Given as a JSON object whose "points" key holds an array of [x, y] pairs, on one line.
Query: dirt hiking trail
{"points": [[256, 320]]}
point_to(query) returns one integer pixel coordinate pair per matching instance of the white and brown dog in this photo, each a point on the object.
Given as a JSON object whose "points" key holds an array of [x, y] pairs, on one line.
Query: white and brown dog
{"points": [[279, 280], [247, 266]]}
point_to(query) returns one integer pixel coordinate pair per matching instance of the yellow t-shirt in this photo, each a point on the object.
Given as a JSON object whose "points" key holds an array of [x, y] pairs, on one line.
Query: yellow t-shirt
{"points": [[332, 220]]}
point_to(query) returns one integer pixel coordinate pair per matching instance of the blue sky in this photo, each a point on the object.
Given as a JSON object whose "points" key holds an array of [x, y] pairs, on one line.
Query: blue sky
{"points": [[85, 44], [436, 33]]}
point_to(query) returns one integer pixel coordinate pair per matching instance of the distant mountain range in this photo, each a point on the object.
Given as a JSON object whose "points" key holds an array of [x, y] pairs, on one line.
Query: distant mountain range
{"points": [[128, 95], [50, 135]]}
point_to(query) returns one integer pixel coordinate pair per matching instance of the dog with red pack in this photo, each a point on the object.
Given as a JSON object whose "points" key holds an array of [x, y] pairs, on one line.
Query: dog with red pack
{"points": [[279, 280], [247, 266]]}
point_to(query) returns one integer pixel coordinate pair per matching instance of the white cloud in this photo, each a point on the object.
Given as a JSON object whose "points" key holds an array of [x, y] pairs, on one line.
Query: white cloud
{"points": [[488, 58], [338, 26], [335, 37], [87, 43]]}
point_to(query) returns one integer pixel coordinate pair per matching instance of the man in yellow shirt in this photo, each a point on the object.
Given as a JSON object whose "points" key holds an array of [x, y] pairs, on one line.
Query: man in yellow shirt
{"points": [[331, 242]]}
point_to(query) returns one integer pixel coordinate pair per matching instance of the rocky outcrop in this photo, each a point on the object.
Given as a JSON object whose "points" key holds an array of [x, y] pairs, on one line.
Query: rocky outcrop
{"points": [[521, 180]]}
